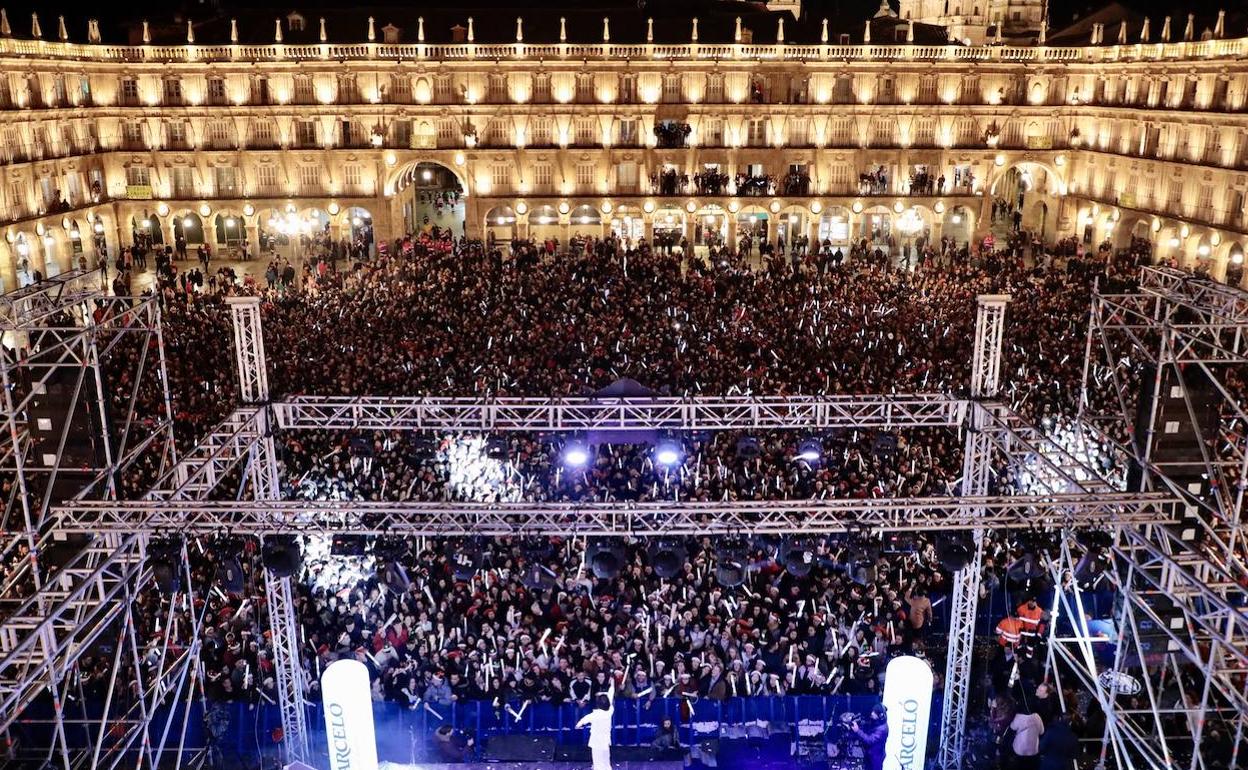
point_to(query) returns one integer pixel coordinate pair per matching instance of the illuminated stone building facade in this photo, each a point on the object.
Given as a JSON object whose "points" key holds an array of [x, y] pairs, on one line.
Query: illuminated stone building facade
{"points": [[836, 139]]}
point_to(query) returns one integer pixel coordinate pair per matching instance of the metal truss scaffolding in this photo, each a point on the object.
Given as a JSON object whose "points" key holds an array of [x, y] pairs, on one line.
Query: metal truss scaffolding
{"points": [[265, 486], [70, 596], [976, 465], [1167, 367], [229, 482]]}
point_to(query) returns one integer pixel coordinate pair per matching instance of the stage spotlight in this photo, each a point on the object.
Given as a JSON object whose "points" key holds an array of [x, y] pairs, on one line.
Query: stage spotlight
{"points": [[281, 555], [955, 551], [575, 455], [810, 450], [667, 558], [797, 557], [668, 453], [605, 558]]}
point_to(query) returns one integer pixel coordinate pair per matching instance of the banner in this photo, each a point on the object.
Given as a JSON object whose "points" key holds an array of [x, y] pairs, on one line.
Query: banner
{"points": [[349, 716], [908, 698]]}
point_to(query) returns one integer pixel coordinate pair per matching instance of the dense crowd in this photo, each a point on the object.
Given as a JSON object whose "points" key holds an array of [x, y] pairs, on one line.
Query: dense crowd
{"points": [[442, 316]]}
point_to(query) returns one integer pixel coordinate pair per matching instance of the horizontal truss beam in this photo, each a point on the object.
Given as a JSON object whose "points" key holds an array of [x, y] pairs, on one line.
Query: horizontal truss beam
{"points": [[640, 414], [639, 519]]}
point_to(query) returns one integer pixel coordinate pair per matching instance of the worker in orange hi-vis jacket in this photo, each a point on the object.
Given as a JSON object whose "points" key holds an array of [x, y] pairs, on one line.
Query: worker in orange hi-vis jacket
{"points": [[1010, 631], [1032, 616]]}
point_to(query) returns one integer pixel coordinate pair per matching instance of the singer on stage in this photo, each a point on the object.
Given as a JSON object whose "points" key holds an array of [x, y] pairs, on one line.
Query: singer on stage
{"points": [[599, 721]]}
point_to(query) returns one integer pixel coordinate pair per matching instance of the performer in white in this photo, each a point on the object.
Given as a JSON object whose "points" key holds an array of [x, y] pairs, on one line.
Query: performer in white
{"points": [[599, 721]]}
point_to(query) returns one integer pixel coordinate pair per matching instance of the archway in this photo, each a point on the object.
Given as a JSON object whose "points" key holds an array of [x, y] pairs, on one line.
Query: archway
{"points": [[274, 229], [544, 224], [98, 234], [791, 224], [26, 272], [51, 255], [585, 221], [669, 227], [431, 196], [359, 227], [500, 227], [146, 230], [753, 226], [228, 229], [834, 226], [710, 228], [188, 227], [1130, 233], [1038, 218], [628, 224], [77, 257], [1235, 264], [1014, 191], [876, 226], [958, 224]]}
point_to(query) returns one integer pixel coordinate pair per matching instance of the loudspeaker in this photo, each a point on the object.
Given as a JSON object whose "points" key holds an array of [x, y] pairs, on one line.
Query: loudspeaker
{"points": [[281, 555]]}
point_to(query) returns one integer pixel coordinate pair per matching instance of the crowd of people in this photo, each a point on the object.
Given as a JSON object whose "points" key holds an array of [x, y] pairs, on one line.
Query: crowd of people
{"points": [[449, 317]]}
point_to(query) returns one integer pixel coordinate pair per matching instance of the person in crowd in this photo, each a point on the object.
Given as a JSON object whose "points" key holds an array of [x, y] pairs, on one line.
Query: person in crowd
{"points": [[874, 738], [1059, 746], [1027, 727]]}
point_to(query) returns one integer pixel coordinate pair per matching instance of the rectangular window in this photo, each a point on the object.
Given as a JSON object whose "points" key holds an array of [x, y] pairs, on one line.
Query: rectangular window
{"points": [[216, 91], [173, 91], [541, 89], [305, 133], [310, 179], [175, 135], [671, 89], [627, 136], [713, 135], [137, 176], [541, 133], [628, 89], [798, 133], [183, 178], [585, 132], [132, 135], [262, 134], [543, 178], [266, 178], [626, 177], [443, 93], [585, 173], [500, 177], [1176, 195], [352, 175], [221, 134], [585, 89], [715, 89], [757, 133], [129, 91], [303, 89], [226, 178]]}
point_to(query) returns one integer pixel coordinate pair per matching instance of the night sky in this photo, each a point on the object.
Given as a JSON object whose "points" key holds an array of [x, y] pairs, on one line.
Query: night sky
{"points": [[113, 17]]}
